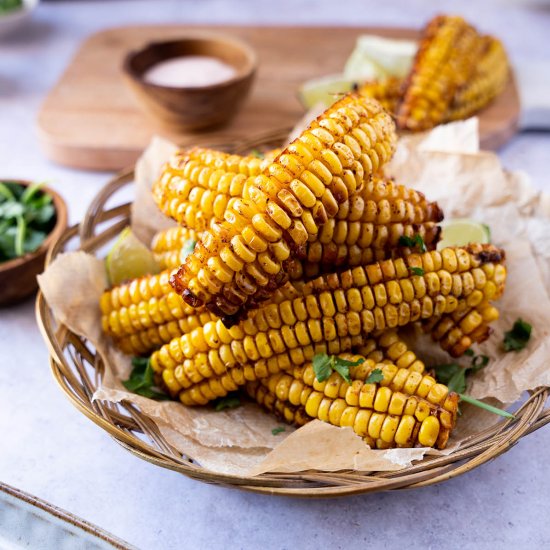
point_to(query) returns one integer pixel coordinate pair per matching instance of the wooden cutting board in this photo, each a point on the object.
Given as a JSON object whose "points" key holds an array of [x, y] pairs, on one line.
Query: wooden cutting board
{"points": [[91, 120]]}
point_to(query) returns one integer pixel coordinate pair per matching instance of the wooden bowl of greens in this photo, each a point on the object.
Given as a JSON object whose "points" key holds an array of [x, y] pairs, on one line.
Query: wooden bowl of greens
{"points": [[31, 218]]}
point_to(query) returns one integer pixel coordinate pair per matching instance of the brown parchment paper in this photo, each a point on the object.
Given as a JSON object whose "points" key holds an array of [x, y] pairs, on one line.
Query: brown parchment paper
{"points": [[447, 166]]}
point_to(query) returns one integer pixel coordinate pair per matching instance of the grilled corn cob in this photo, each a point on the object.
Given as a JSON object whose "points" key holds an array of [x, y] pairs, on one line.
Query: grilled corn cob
{"points": [[457, 331], [391, 413], [367, 228], [387, 345], [488, 81], [243, 256], [352, 304], [172, 246], [387, 92], [445, 62]]}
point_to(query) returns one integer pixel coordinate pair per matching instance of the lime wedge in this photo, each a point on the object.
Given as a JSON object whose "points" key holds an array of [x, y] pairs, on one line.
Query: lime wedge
{"points": [[461, 231], [376, 57], [129, 258], [325, 90]]}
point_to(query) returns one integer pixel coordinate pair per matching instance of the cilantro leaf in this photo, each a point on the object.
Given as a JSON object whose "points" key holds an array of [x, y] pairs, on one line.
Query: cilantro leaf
{"points": [[469, 352], [142, 380], [278, 430], [416, 241], [444, 373], [416, 270], [322, 366], [343, 371], [457, 383], [230, 401], [374, 377], [517, 338], [478, 362]]}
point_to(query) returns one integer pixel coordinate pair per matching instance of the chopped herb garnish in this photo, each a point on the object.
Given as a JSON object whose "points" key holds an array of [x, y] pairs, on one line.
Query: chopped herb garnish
{"points": [[416, 241], [374, 377], [27, 215], [278, 430], [517, 338], [324, 365], [142, 381], [230, 401], [257, 154], [454, 377], [416, 271], [469, 352]]}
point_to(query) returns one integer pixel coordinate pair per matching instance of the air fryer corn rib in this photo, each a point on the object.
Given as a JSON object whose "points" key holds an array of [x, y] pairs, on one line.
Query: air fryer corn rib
{"points": [[445, 61], [404, 409], [376, 348], [352, 304], [240, 260]]}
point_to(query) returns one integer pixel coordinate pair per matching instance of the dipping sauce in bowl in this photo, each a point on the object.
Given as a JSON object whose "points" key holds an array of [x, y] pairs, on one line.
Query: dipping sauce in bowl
{"points": [[191, 83], [189, 71]]}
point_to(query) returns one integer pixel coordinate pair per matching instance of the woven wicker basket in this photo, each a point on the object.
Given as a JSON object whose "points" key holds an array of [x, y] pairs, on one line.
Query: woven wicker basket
{"points": [[78, 371]]}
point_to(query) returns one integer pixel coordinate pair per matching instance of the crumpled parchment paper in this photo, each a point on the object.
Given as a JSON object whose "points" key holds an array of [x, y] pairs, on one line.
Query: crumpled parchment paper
{"points": [[447, 166]]}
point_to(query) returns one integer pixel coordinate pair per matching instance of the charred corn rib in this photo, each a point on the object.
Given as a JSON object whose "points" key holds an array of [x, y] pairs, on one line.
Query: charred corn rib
{"points": [[172, 246], [282, 409], [283, 207], [196, 186], [367, 227], [199, 391], [391, 413], [145, 314], [488, 81], [354, 303], [142, 315], [387, 345], [387, 92], [457, 331], [446, 60]]}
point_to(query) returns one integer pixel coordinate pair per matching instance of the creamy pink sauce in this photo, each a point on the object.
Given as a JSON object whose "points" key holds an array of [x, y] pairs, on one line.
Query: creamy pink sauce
{"points": [[189, 71]]}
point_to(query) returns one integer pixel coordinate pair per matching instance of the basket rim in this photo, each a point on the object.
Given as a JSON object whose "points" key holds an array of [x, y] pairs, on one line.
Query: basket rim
{"points": [[69, 373]]}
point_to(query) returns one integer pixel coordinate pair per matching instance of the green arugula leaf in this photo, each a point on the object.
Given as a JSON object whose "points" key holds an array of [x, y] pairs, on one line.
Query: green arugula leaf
{"points": [[374, 377], [322, 366], [416, 270], [230, 401], [416, 241], [517, 338], [142, 381], [278, 430]]}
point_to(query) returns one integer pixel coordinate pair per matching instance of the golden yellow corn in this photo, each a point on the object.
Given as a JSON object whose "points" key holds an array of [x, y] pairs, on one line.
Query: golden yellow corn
{"points": [[457, 331], [387, 346], [172, 246], [351, 304], [193, 388], [282, 409], [387, 92], [445, 61], [394, 412], [489, 80], [284, 206], [146, 313]]}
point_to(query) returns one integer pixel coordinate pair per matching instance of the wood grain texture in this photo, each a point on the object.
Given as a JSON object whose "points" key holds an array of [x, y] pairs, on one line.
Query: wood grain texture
{"points": [[92, 120]]}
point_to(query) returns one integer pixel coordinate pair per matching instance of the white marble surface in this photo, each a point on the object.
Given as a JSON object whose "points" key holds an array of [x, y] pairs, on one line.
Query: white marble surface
{"points": [[48, 448]]}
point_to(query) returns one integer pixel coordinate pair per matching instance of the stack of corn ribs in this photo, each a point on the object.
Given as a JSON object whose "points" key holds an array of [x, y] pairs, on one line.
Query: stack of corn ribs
{"points": [[455, 73], [298, 254]]}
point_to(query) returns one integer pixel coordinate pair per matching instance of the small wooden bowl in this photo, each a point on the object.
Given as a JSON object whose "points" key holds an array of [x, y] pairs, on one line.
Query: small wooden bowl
{"points": [[192, 108], [18, 276]]}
